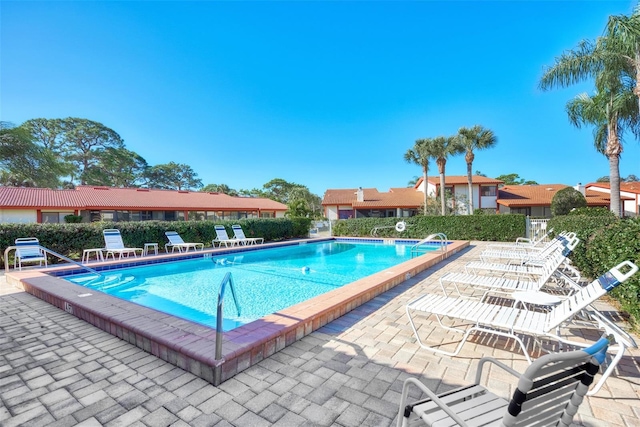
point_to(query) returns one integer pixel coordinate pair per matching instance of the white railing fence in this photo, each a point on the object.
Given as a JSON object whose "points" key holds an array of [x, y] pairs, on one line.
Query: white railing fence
{"points": [[536, 228]]}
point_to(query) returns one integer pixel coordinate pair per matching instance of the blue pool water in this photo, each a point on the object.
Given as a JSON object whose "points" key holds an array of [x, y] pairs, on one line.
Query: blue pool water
{"points": [[266, 280]]}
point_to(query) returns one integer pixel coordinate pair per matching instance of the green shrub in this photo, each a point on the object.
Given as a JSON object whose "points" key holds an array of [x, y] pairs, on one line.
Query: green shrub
{"points": [[566, 199], [71, 239], [584, 227], [599, 211], [610, 246], [72, 219], [459, 227]]}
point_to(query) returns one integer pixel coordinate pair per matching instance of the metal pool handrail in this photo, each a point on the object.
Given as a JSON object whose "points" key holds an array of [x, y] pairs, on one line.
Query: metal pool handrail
{"points": [[437, 237], [49, 251], [227, 279]]}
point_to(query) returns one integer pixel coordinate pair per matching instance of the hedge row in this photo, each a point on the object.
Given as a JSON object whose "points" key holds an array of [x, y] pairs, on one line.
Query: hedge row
{"points": [[606, 242], [71, 239], [462, 227]]}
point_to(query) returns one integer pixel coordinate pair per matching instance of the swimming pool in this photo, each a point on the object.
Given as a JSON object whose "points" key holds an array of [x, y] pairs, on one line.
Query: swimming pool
{"points": [[265, 281], [191, 345]]}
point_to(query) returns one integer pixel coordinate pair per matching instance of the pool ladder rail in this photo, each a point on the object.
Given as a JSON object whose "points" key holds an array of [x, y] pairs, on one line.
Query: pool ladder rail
{"points": [[436, 238], [218, 356]]}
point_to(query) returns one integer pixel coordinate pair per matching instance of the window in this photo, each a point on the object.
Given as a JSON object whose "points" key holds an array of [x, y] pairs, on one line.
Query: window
{"points": [[197, 215], [107, 216], [54, 217], [488, 190], [122, 215], [524, 211]]}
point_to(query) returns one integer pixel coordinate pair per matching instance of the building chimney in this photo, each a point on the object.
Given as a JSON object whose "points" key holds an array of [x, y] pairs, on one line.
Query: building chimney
{"points": [[580, 188], [360, 195]]}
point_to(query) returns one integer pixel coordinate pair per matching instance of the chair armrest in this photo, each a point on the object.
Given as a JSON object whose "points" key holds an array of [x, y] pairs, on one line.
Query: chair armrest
{"points": [[499, 364], [405, 392], [524, 241]]}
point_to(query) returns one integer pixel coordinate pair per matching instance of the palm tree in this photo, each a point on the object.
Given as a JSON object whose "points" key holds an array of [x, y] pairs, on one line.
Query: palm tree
{"points": [[611, 113], [475, 138], [614, 62], [420, 155], [441, 148]]}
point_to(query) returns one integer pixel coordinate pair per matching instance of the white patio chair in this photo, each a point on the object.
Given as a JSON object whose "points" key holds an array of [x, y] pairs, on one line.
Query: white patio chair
{"points": [[176, 242], [531, 267], [222, 238], [28, 250], [489, 284], [524, 253], [479, 316], [238, 234], [114, 245], [548, 393], [525, 242]]}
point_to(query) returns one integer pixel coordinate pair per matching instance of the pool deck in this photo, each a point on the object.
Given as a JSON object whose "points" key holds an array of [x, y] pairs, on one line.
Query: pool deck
{"points": [[192, 346], [58, 370]]}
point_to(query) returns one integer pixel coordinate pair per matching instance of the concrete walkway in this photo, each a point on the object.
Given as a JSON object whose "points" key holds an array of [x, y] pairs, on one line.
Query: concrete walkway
{"points": [[56, 370]]}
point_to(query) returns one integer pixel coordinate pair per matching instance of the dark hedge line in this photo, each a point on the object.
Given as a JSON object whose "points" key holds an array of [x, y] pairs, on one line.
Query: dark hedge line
{"points": [[606, 242], [462, 227], [71, 239]]}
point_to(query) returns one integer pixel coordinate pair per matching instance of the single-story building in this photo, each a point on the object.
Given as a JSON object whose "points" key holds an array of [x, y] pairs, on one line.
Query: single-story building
{"points": [[406, 202], [94, 203], [629, 195]]}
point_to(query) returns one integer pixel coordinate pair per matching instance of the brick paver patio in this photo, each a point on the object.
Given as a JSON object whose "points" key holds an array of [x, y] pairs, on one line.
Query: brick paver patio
{"points": [[56, 370]]}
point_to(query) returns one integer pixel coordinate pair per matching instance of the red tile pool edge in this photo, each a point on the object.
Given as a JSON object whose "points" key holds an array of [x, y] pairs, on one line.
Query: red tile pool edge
{"points": [[191, 346]]}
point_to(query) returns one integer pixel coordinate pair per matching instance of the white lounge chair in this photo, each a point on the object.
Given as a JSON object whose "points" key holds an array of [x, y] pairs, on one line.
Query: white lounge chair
{"points": [[222, 238], [176, 242], [114, 245], [501, 284], [529, 268], [508, 322], [548, 393], [524, 242], [28, 250], [238, 234], [523, 253]]}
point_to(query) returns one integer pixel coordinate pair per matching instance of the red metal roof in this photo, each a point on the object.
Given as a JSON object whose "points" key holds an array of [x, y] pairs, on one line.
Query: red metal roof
{"points": [[104, 198]]}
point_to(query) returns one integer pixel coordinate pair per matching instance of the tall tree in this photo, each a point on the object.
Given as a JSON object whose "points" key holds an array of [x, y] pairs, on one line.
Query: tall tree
{"points": [[475, 138], [514, 179], [24, 163], [613, 61], [116, 167], [172, 176], [219, 188], [83, 138], [420, 155], [441, 148], [48, 132], [610, 113]]}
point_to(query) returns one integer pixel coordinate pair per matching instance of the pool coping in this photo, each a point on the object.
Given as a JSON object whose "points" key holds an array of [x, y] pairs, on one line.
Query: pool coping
{"points": [[191, 346]]}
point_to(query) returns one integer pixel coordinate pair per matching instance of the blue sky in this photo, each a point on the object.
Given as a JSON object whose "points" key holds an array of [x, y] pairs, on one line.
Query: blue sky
{"points": [[326, 94]]}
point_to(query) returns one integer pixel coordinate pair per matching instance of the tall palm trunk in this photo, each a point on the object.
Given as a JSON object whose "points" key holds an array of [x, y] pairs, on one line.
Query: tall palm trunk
{"points": [[441, 164], [426, 188], [613, 151], [636, 90], [469, 159]]}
